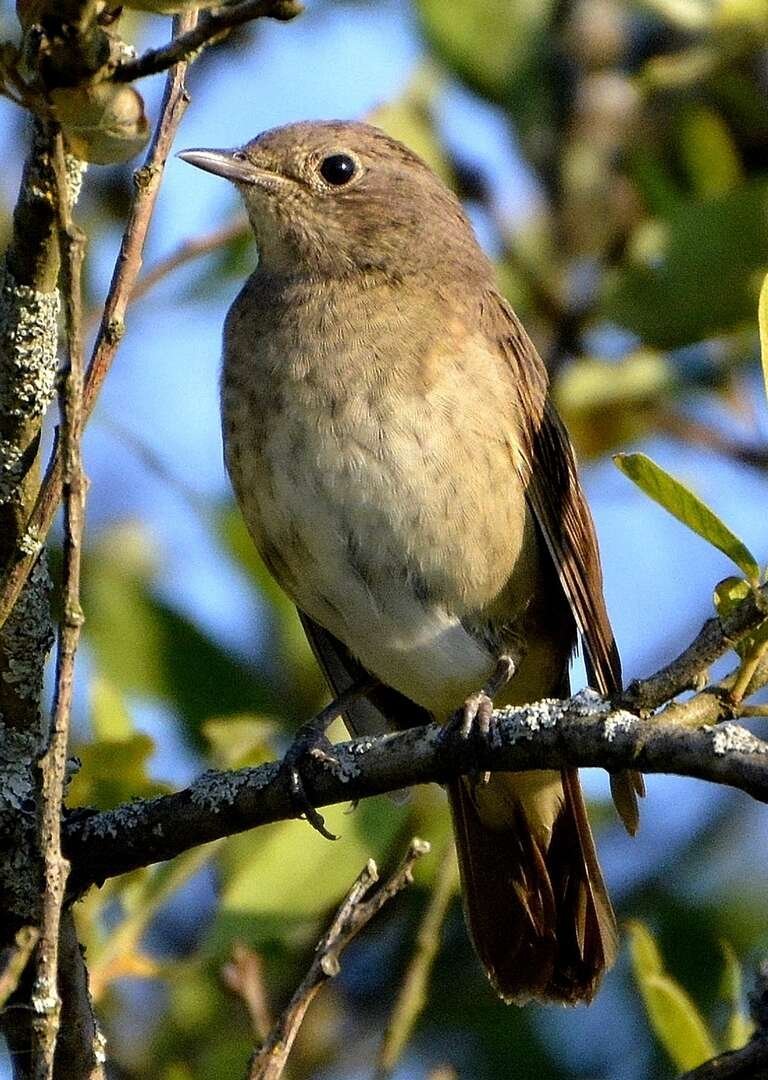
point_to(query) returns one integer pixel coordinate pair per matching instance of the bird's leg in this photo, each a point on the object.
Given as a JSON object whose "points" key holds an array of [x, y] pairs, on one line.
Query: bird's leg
{"points": [[311, 741]]}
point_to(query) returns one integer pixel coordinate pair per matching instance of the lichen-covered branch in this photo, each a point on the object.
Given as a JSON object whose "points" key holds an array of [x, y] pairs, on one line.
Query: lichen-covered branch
{"points": [[583, 731], [53, 762], [356, 911], [212, 29], [38, 520]]}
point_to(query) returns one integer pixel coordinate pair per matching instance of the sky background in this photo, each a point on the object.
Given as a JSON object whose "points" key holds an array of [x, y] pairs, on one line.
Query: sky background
{"points": [[341, 61]]}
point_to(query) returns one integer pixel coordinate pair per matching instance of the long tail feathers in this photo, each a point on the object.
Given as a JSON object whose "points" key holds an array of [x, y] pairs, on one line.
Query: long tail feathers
{"points": [[538, 913]]}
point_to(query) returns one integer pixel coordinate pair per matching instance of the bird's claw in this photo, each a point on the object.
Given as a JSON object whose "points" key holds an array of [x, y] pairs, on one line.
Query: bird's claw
{"points": [[308, 743]]}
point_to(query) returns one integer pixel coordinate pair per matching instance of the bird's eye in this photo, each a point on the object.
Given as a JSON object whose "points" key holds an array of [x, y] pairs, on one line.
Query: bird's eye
{"points": [[338, 169]]}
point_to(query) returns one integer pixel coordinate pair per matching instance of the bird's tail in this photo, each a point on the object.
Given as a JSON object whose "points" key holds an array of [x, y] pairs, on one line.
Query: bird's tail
{"points": [[534, 897]]}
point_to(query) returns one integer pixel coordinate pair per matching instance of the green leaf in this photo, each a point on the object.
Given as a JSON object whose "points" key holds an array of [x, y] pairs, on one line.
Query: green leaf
{"points": [[145, 647], [710, 154], [644, 952], [739, 1028], [690, 273], [762, 319], [688, 508], [674, 1018]]}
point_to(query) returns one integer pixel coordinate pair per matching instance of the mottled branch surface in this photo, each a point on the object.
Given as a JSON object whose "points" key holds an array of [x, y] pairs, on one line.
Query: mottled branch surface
{"points": [[581, 731]]}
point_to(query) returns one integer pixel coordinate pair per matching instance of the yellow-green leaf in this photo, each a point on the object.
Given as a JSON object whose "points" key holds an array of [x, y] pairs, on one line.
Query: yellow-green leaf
{"points": [[762, 319], [674, 1018], [677, 1022], [739, 1027], [688, 508], [646, 958]]}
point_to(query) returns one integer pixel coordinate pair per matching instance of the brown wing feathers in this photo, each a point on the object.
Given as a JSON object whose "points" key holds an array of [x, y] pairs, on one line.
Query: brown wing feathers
{"points": [[555, 496]]}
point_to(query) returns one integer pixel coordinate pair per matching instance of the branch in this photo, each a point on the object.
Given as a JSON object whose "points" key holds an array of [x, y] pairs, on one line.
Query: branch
{"points": [[53, 763], [147, 183], [355, 912], [685, 672], [582, 731], [412, 997], [187, 46]]}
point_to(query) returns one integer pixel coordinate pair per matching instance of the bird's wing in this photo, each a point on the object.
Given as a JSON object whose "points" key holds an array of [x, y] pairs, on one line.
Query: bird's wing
{"points": [[382, 709], [548, 467]]}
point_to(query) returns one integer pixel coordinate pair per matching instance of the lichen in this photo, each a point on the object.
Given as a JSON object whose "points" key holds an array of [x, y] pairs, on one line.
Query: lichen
{"points": [[618, 723], [28, 335], [27, 636], [18, 749], [11, 471], [215, 789], [732, 738]]}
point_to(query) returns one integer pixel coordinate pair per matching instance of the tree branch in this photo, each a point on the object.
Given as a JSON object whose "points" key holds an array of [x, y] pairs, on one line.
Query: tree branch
{"points": [[147, 183], [53, 763], [356, 911], [582, 731], [187, 46]]}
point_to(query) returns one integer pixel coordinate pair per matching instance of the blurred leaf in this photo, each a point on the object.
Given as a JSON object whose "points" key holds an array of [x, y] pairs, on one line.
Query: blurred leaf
{"points": [[686, 14], [500, 49], [609, 404], [145, 647], [740, 1027], [277, 883], [296, 670], [673, 1016], [237, 741], [698, 279], [688, 508], [110, 719], [114, 771], [409, 119], [709, 153], [762, 319]]}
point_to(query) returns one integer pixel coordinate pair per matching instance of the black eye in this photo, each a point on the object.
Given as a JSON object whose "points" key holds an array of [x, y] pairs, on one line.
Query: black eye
{"points": [[338, 169]]}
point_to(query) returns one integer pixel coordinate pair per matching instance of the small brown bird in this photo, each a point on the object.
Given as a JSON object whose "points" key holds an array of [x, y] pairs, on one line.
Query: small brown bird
{"points": [[406, 479]]}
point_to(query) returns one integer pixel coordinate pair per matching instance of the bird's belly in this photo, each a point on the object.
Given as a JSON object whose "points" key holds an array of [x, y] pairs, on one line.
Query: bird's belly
{"points": [[389, 531]]}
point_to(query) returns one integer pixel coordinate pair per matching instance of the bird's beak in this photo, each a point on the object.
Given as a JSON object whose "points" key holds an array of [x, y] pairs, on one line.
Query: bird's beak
{"points": [[231, 164]]}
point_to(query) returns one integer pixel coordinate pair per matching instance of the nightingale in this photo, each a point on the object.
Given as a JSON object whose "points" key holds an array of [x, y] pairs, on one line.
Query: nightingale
{"points": [[394, 450]]}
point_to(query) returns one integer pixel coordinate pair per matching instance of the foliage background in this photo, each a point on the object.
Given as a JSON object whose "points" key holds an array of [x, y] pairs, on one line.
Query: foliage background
{"points": [[614, 159]]}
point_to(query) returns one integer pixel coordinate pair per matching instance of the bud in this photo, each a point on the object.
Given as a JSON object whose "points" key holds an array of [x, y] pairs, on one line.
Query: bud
{"points": [[104, 123]]}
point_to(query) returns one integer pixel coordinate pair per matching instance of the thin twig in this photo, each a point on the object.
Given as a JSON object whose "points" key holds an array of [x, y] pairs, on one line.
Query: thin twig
{"points": [[53, 763], [413, 992], [685, 672], [147, 183], [355, 912], [188, 251], [244, 976], [15, 959], [187, 46]]}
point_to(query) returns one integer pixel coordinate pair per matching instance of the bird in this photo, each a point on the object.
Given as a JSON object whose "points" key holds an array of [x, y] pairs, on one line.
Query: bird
{"points": [[393, 446]]}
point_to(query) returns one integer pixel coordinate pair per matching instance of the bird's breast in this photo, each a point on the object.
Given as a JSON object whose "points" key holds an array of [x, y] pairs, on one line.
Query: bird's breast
{"points": [[376, 472]]}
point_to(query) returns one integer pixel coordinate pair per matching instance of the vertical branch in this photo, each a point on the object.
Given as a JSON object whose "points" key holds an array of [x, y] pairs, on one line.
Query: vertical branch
{"points": [[54, 761], [413, 992]]}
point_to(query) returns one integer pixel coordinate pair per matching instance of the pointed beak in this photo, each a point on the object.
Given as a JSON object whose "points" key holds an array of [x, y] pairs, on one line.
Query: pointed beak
{"points": [[231, 164]]}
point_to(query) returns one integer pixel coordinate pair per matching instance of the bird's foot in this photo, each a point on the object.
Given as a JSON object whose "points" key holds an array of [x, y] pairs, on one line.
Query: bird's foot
{"points": [[310, 742], [475, 717]]}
